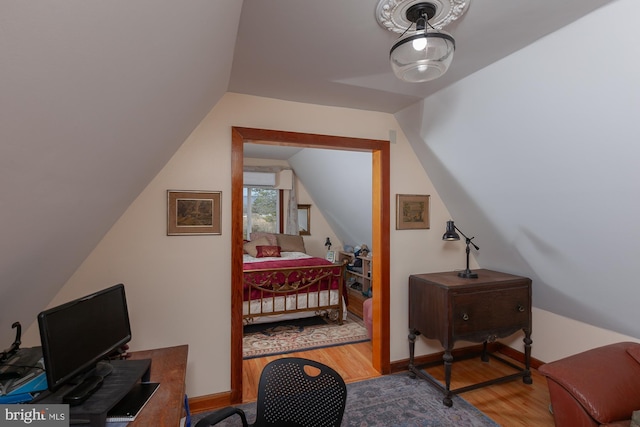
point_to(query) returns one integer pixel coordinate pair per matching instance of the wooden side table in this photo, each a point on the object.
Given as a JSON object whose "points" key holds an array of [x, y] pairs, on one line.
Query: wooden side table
{"points": [[449, 308]]}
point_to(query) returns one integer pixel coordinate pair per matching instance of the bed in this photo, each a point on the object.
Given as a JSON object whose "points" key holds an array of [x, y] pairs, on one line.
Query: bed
{"points": [[283, 282]]}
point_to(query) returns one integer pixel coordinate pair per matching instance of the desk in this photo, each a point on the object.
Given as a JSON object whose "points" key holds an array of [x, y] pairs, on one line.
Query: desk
{"points": [[168, 367], [449, 308]]}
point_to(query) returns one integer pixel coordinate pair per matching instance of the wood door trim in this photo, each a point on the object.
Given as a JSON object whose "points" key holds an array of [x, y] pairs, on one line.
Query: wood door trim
{"points": [[381, 228]]}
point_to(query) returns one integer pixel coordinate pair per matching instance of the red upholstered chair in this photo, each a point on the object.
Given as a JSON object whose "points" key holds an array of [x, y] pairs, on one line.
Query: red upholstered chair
{"points": [[598, 387]]}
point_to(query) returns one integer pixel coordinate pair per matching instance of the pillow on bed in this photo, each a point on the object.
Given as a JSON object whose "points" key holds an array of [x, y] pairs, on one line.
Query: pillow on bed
{"points": [[269, 236], [267, 251], [251, 247], [290, 243]]}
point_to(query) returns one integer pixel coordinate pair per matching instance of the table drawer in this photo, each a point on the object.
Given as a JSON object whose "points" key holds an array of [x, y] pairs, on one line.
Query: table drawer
{"points": [[496, 312]]}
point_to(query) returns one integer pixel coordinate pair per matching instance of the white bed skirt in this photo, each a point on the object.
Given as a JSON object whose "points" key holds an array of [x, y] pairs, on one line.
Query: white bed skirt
{"points": [[258, 307]]}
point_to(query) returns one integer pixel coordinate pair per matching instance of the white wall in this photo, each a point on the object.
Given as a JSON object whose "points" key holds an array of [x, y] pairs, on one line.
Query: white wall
{"points": [[555, 336], [178, 287], [558, 128], [320, 228], [537, 155], [341, 184]]}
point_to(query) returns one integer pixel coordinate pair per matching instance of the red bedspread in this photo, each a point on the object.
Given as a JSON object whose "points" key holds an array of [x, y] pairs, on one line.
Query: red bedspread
{"points": [[284, 263], [269, 272]]}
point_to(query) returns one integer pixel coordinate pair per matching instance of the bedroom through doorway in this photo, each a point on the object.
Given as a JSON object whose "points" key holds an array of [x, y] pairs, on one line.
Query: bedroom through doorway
{"points": [[380, 234]]}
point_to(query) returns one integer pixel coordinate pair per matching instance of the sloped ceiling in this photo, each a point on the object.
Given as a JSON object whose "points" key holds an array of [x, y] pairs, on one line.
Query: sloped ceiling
{"points": [[334, 52], [347, 211], [95, 97]]}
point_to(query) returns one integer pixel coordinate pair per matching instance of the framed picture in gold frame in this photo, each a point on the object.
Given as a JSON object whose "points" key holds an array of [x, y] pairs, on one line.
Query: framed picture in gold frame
{"points": [[194, 212], [304, 220], [412, 211]]}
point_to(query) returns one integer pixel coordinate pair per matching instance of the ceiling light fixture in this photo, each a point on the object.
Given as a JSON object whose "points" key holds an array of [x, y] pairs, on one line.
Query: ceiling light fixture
{"points": [[425, 53]]}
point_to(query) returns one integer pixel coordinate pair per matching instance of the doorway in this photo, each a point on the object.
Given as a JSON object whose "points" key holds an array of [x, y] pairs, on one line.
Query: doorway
{"points": [[380, 219]]}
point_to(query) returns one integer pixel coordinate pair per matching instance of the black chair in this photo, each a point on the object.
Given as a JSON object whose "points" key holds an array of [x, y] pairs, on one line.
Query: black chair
{"points": [[293, 392]]}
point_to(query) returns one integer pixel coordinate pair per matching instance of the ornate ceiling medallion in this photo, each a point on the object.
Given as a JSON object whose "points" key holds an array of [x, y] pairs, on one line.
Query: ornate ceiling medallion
{"points": [[392, 14]]}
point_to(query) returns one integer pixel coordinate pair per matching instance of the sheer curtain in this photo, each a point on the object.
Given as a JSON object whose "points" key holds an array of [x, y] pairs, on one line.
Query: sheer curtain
{"points": [[292, 226]]}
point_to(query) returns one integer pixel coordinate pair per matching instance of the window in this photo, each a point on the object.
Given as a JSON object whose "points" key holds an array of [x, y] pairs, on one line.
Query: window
{"points": [[261, 210]]}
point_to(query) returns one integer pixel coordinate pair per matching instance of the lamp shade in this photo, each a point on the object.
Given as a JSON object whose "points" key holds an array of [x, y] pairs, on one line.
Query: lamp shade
{"points": [[450, 233], [422, 55]]}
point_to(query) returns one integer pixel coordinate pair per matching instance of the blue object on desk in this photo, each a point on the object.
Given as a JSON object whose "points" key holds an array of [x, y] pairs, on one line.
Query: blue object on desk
{"points": [[27, 391]]}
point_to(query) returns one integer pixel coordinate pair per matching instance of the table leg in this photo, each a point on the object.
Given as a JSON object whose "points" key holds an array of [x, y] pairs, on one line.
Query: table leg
{"points": [[448, 360], [412, 346], [527, 357], [485, 355]]}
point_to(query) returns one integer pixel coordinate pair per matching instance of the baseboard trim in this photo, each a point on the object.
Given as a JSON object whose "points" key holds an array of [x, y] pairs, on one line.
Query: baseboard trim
{"points": [[518, 355], [464, 352], [209, 402]]}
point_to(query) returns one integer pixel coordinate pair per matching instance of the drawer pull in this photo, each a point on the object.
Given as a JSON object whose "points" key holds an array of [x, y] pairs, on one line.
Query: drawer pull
{"points": [[521, 308], [465, 317]]}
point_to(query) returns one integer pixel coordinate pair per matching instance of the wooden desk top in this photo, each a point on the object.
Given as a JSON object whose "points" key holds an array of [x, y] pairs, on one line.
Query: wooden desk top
{"points": [[450, 279], [168, 367]]}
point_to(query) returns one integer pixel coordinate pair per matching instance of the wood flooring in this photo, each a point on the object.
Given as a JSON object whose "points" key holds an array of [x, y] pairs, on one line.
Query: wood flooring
{"points": [[510, 404]]}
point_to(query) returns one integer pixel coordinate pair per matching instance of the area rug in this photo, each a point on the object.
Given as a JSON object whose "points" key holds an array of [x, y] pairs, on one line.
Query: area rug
{"points": [[393, 401], [299, 335]]}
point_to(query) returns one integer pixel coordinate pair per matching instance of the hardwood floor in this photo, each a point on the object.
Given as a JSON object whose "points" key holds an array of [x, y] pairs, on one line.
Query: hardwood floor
{"points": [[509, 404], [512, 403], [352, 362]]}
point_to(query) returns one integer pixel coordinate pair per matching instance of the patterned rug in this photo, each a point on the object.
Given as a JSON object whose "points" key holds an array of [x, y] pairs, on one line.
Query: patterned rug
{"points": [[298, 335], [393, 401]]}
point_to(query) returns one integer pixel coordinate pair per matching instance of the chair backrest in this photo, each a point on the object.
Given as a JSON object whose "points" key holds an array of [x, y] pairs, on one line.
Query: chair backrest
{"points": [[300, 392]]}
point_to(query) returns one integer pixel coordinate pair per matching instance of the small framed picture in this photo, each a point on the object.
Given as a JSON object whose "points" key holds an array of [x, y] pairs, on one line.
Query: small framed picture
{"points": [[304, 220], [412, 211], [331, 256], [194, 212]]}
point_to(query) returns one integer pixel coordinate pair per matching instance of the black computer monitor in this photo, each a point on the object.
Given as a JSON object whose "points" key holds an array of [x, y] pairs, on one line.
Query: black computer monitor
{"points": [[77, 335]]}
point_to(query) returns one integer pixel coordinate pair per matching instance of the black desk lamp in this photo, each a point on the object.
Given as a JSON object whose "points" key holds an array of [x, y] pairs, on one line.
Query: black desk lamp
{"points": [[451, 234]]}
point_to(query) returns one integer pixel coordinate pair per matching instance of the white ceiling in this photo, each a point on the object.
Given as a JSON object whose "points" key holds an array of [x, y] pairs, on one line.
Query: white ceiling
{"points": [[334, 52], [96, 96]]}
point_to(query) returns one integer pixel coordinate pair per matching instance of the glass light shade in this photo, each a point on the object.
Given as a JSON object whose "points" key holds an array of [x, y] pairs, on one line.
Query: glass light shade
{"points": [[422, 55]]}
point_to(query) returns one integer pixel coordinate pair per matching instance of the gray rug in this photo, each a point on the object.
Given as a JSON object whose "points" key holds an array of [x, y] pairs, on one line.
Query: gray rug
{"points": [[390, 401]]}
